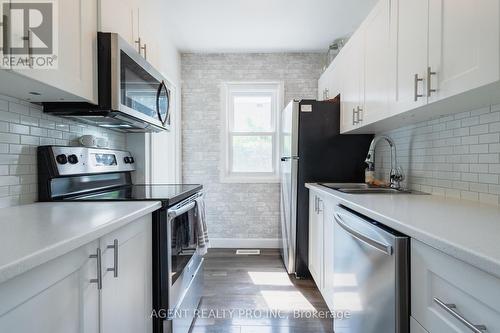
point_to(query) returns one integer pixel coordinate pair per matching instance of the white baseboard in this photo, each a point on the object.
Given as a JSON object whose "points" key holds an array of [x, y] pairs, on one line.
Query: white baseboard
{"points": [[244, 243]]}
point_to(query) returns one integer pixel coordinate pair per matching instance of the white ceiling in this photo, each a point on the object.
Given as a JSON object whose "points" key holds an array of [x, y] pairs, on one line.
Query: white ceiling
{"points": [[262, 25]]}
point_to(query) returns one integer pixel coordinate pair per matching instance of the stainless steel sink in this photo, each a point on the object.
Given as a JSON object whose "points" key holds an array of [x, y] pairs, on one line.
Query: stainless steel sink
{"points": [[361, 188]]}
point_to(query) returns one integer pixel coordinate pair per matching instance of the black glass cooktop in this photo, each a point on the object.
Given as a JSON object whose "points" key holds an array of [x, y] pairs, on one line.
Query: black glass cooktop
{"points": [[169, 194]]}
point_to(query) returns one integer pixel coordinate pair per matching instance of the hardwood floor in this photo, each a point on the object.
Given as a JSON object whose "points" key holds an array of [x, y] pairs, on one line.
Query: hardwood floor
{"points": [[253, 294]]}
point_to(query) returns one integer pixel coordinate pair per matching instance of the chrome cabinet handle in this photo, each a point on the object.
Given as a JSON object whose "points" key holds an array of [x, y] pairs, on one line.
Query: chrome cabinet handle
{"points": [[354, 121], [139, 46], [98, 279], [320, 204], [430, 73], [325, 93], [417, 80], [360, 114], [450, 309], [114, 269], [145, 49], [385, 248], [316, 204]]}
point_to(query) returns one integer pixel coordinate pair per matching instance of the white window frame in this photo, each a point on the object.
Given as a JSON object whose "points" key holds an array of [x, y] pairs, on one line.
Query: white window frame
{"points": [[228, 90]]}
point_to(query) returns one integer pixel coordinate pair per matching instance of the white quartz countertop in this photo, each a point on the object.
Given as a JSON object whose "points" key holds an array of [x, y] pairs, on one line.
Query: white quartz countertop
{"points": [[31, 235], [466, 230]]}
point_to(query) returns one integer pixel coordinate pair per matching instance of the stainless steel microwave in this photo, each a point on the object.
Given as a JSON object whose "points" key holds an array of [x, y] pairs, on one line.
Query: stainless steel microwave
{"points": [[132, 95]]}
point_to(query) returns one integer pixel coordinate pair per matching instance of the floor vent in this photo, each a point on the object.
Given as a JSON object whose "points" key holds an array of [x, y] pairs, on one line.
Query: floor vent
{"points": [[248, 252]]}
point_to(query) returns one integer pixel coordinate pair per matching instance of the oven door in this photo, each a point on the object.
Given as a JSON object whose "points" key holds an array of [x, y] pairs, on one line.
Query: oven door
{"points": [[177, 268]]}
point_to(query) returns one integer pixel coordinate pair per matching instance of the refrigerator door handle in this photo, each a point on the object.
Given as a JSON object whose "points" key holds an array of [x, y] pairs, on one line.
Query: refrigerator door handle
{"points": [[288, 158]]}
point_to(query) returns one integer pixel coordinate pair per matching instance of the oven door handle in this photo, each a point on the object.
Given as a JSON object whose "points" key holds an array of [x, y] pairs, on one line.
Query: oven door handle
{"points": [[173, 213]]}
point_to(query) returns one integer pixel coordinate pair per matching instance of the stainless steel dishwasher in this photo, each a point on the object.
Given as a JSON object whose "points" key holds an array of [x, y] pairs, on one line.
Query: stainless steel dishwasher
{"points": [[371, 275]]}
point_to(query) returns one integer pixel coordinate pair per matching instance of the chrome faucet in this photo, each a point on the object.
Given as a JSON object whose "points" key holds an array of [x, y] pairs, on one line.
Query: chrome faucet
{"points": [[396, 175]]}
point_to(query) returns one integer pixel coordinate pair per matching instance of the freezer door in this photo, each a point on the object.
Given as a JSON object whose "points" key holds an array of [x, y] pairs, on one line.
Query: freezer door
{"points": [[288, 169]]}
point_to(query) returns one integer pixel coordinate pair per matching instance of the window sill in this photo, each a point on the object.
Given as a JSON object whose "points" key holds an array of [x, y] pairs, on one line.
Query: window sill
{"points": [[249, 180]]}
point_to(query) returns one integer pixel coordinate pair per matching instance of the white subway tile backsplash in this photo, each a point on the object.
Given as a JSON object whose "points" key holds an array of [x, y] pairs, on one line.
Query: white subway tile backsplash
{"points": [[19, 129], [23, 127], [9, 138], [19, 108], [454, 156], [489, 118]]}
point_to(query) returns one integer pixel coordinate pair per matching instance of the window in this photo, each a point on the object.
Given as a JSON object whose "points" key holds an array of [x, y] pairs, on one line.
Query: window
{"points": [[250, 142]]}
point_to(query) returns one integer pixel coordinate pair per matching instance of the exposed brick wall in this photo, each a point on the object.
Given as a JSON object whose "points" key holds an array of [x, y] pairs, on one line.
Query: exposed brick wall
{"points": [[456, 155], [23, 127], [235, 210]]}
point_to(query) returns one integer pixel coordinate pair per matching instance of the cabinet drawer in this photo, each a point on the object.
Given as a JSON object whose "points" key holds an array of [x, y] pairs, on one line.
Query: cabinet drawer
{"points": [[415, 327], [438, 277]]}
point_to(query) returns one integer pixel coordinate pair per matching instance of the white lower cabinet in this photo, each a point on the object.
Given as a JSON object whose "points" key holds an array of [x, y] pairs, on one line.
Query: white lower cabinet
{"points": [[315, 256], [130, 290], [448, 293], [59, 296], [321, 224], [54, 297], [328, 279]]}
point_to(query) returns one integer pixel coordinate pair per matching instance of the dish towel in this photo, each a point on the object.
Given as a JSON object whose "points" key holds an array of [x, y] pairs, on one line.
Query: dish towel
{"points": [[201, 222]]}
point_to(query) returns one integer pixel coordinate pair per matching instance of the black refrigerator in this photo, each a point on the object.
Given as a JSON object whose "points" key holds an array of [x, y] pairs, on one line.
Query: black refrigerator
{"points": [[312, 150]]}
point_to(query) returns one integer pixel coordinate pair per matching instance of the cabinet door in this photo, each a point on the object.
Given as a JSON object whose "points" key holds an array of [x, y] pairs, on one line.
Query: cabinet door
{"points": [[328, 227], [126, 299], [323, 84], [76, 71], [3, 35], [352, 94], [56, 297], [377, 57], [316, 238], [410, 42], [119, 16], [464, 45]]}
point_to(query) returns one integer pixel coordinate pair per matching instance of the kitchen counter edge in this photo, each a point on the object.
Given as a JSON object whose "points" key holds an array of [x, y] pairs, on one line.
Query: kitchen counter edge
{"points": [[484, 259]]}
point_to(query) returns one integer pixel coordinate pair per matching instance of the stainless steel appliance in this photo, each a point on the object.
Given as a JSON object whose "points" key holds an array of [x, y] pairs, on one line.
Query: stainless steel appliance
{"points": [[312, 150], [91, 174], [132, 95], [371, 275]]}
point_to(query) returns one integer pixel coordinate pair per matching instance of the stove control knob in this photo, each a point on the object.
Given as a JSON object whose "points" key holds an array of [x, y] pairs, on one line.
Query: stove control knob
{"points": [[126, 159], [131, 159], [72, 159], [61, 159]]}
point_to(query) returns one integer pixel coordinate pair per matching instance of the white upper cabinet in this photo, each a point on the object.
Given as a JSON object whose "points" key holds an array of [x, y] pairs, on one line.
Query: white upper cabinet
{"points": [[74, 77], [352, 85], [119, 17], [407, 55], [139, 23], [410, 42], [377, 58], [464, 45], [324, 84], [2, 36]]}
